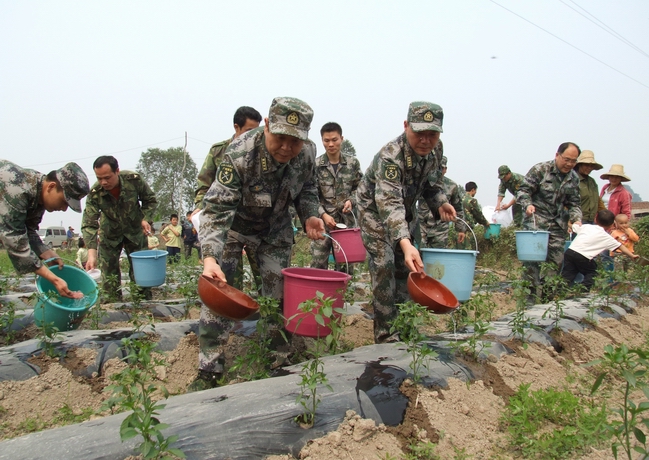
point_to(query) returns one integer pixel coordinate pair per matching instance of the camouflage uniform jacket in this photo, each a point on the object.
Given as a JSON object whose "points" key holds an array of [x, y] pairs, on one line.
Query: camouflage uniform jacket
{"points": [[207, 173], [590, 200], [391, 186], [551, 192], [20, 215], [428, 220], [473, 211], [336, 187], [118, 219], [252, 193], [512, 185]]}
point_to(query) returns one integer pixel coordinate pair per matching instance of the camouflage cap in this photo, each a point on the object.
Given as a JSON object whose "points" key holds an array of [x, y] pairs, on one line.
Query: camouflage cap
{"points": [[503, 171], [290, 116], [425, 116], [444, 161], [74, 183]]}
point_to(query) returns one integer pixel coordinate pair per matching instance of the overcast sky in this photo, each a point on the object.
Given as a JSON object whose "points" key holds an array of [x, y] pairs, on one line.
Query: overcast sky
{"points": [[83, 79]]}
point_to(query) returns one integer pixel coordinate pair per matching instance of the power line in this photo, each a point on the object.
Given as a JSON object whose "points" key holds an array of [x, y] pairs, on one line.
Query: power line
{"points": [[570, 44], [109, 153], [604, 27]]}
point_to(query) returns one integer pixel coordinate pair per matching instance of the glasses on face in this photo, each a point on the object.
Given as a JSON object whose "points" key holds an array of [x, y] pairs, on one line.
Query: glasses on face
{"points": [[570, 161]]}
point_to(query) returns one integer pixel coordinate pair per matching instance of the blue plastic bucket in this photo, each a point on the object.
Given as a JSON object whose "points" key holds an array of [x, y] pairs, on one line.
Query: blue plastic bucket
{"points": [[64, 313], [454, 268], [532, 245], [149, 267], [493, 230]]}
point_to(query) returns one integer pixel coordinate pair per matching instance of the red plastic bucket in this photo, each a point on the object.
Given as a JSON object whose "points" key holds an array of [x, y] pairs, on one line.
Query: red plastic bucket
{"points": [[351, 243], [301, 284]]}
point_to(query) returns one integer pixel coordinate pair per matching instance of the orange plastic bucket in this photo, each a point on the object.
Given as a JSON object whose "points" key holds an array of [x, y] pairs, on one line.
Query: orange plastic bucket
{"points": [[301, 284], [350, 244]]}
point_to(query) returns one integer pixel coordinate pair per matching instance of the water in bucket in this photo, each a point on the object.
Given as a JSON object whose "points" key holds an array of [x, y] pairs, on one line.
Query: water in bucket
{"points": [[454, 268], [63, 313], [301, 284], [532, 245], [149, 267]]}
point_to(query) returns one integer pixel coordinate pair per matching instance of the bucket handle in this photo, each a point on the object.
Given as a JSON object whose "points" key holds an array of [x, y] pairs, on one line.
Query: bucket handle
{"points": [[354, 216], [339, 247], [469, 227]]}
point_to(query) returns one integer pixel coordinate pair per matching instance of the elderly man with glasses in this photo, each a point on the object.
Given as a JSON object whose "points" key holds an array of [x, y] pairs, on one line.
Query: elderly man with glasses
{"points": [[551, 200]]}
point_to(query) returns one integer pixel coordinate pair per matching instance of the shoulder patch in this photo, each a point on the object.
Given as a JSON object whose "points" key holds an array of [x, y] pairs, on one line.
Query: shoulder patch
{"points": [[225, 174], [391, 172]]}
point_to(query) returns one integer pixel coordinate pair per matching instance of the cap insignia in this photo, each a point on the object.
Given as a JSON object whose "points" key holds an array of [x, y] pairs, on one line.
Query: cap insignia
{"points": [[293, 118], [428, 116]]}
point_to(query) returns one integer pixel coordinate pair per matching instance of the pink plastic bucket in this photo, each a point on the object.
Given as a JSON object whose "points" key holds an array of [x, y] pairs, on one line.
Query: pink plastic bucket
{"points": [[301, 284], [351, 243]]}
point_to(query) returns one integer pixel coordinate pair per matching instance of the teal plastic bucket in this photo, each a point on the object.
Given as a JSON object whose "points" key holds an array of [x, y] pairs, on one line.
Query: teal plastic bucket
{"points": [[64, 313], [532, 245], [492, 231], [149, 267], [454, 268]]}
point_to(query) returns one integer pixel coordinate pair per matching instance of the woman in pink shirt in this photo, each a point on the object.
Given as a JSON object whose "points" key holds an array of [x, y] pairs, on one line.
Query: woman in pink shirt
{"points": [[616, 198]]}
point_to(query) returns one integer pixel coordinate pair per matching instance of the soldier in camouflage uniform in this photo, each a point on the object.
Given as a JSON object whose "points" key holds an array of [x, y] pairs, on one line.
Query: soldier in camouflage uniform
{"points": [[120, 204], [472, 212], [550, 197], [262, 173], [404, 170], [337, 177], [244, 120], [25, 195], [434, 232], [510, 181]]}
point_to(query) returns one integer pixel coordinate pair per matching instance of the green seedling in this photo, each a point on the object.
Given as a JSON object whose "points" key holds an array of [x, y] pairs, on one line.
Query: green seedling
{"points": [[552, 424], [312, 373], [629, 421], [48, 335], [421, 450], [410, 318], [556, 287], [188, 284], [256, 362], [520, 322], [7, 318], [133, 391]]}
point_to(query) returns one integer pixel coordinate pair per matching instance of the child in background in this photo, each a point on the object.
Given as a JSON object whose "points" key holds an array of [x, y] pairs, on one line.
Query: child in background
{"points": [[625, 235], [590, 241], [171, 235], [153, 241], [82, 254]]}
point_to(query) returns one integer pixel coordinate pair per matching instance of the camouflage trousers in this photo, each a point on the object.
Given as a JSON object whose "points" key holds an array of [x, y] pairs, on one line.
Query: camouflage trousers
{"points": [[517, 214], [108, 263], [320, 251], [556, 245], [389, 283], [233, 258], [436, 236], [212, 330]]}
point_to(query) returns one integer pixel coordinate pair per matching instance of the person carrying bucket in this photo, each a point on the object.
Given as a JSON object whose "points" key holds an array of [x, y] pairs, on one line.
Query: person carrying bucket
{"points": [[121, 204], [405, 169], [26, 195], [509, 182], [550, 197], [263, 172], [338, 176], [472, 209]]}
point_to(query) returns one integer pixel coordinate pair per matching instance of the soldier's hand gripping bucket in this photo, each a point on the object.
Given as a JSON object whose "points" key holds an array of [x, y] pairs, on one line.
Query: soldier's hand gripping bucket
{"points": [[149, 267], [63, 313]]}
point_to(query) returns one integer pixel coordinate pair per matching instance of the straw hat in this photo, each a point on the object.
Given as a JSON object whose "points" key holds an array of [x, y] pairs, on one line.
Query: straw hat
{"points": [[588, 157], [616, 170]]}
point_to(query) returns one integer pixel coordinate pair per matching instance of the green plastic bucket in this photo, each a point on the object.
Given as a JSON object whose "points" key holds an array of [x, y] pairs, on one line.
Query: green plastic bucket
{"points": [[532, 245], [149, 267], [454, 268], [64, 313], [492, 231]]}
